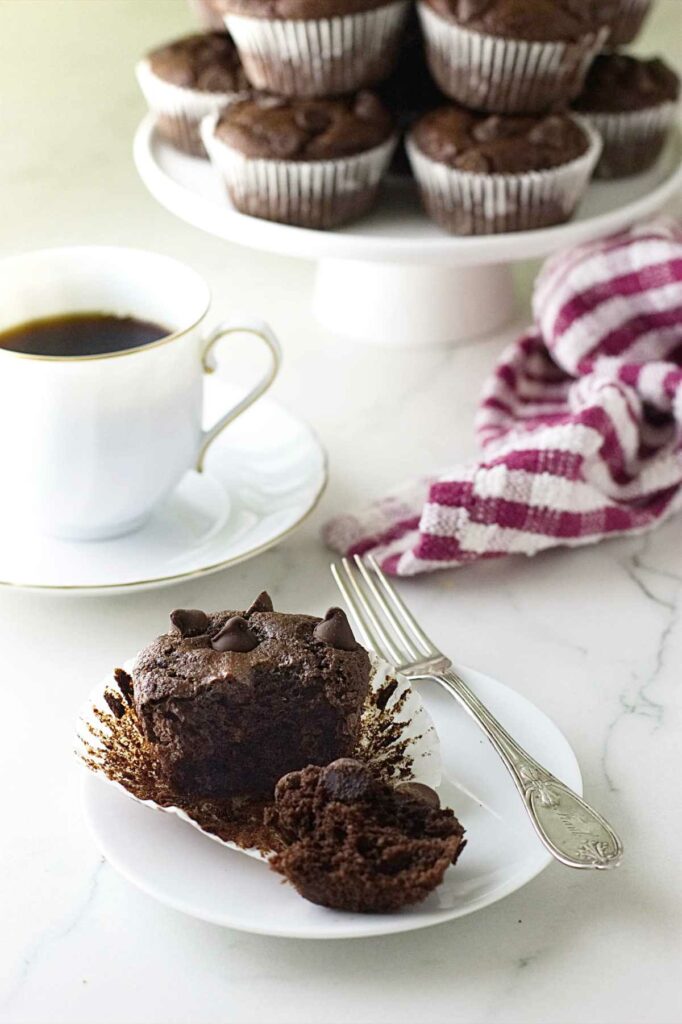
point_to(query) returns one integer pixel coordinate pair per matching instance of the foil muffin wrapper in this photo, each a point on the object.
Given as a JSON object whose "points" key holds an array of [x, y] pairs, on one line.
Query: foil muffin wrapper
{"points": [[306, 193], [632, 140], [471, 203], [505, 76], [397, 739], [322, 56], [179, 111]]}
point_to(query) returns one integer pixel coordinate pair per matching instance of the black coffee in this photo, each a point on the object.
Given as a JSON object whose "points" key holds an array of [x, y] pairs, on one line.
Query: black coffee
{"points": [[81, 334]]}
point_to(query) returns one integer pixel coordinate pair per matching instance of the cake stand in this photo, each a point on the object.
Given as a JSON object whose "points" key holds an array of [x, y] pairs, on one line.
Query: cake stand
{"points": [[394, 277]]}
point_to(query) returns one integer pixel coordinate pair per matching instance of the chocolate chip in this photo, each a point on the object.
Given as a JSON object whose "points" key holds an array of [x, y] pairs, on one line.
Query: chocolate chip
{"points": [[312, 118], [263, 603], [494, 127], [116, 705], [235, 636], [347, 780], [189, 621], [335, 631], [473, 161], [419, 791], [367, 106], [125, 684]]}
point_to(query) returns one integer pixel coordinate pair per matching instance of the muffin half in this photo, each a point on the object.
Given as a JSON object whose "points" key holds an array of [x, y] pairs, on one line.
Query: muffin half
{"points": [[632, 103], [316, 47], [187, 79], [311, 163], [485, 174]]}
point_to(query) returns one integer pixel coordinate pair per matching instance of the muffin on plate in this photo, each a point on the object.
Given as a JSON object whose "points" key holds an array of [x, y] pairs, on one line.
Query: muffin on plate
{"points": [[632, 103], [355, 843], [316, 47], [488, 173], [185, 80], [510, 56], [233, 700], [314, 163]]}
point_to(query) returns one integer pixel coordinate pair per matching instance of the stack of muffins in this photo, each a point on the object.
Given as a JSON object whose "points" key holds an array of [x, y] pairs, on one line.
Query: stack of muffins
{"points": [[275, 92]]}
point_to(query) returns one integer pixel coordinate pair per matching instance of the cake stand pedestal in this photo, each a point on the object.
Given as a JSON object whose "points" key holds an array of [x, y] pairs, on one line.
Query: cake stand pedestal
{"points": [[395, 278]]}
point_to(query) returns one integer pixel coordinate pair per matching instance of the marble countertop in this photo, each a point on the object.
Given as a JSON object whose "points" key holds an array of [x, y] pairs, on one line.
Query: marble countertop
{"points": [[594, 637]]}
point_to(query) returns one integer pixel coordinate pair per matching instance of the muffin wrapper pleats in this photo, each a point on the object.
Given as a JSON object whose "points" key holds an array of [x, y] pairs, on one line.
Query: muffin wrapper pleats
{"points": [[179, 111], [470, 203], [632, 140], [505, 76], [398, 741], [628, 20], [319, 57], [313, 194]]}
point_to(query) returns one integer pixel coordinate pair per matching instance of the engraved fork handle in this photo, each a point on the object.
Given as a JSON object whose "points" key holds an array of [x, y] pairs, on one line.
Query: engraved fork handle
{"points": [[572, 831]]}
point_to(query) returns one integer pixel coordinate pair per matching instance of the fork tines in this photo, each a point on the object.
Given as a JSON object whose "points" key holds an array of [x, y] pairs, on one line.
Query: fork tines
{"points": [[382, 617]]}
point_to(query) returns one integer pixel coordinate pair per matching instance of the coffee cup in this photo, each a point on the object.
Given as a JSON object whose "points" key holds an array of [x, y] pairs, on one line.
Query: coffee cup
{"points": [[93, 443]]}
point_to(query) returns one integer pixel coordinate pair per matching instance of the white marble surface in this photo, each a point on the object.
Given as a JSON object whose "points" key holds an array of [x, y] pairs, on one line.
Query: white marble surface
{"points": [[593, 636]]}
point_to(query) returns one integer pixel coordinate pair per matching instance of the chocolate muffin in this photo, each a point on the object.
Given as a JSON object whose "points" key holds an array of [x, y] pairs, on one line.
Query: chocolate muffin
{"points": [[483, 174], [511, 56], [352, 842], [313, 163], [316, 47], [185, 80], [632, 103], [235, 699]]}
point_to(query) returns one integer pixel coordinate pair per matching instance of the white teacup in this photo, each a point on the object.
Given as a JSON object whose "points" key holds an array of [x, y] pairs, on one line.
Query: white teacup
{"points": [[92, 444]]}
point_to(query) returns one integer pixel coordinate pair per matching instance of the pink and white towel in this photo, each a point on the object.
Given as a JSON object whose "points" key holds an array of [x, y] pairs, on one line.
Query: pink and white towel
{"points": [[580, 423]]}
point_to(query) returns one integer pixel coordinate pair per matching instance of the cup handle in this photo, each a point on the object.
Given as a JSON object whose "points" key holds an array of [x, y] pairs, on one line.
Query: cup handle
{"points": [[259, 329]]}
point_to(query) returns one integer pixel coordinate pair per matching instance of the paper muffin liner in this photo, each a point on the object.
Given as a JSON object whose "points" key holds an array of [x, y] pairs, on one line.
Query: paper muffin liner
{"points": [[322, 56], [306, 193], [632, 140], [471, 203], [179, 111], [398, 740], [628, 19], [505, 76]]}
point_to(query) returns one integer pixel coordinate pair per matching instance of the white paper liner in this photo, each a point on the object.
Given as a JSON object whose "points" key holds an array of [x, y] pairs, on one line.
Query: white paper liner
{"points": [[418, 729], [466, 202], [505, 75], [632, 140], [322, 56], [314, 194], [181, 109], [627, 21]]}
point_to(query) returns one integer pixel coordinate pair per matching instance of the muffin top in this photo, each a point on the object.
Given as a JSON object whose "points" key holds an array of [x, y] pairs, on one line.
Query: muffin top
{"points": [[497, 143], [272, 128], [225, 649], [533, 20], [206, 61], [618, 82], [299, 10]]}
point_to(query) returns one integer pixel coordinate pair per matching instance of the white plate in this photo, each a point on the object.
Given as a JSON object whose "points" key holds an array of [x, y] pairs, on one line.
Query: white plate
{"points": [[181, 868], [263, 477], [397, 231]]}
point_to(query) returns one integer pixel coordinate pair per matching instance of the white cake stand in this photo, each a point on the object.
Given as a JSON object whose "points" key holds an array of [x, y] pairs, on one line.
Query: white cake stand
{"points": [[394, 277]]}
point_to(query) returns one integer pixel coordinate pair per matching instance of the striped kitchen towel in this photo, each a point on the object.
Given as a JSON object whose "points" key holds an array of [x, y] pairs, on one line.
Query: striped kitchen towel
{"points": [[580, 423]]}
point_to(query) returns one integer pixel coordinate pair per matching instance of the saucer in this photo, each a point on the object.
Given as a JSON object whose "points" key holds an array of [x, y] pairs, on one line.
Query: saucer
{"points": [[184, 869], [264, 475]]}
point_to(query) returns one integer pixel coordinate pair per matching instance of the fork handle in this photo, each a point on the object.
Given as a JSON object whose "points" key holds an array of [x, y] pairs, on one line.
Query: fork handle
{"points": [[572, 831]]}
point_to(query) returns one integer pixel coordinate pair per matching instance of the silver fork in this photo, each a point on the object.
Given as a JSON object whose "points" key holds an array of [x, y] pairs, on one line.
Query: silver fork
{"points": [[572, 831]]}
